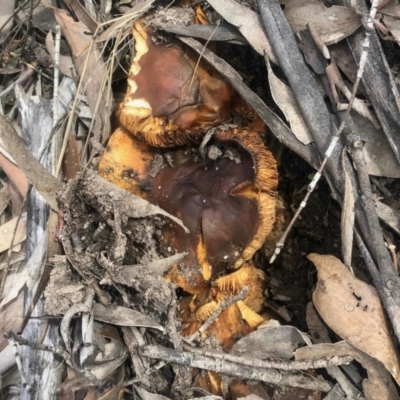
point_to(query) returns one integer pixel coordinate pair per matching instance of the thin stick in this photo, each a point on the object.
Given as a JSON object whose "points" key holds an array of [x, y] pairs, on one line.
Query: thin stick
{"points": [[282, 365], [332, 145], [54, 146], [53, 349], [233, 369]]}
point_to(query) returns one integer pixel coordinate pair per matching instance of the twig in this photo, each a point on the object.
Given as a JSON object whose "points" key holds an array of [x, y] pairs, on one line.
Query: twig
{"points": [[54, 146], [390, 282], [53, 349], [282, 365], [87, 319], [233, 369], [265, 13], [223, 306], [25, 75], [172, 322]]}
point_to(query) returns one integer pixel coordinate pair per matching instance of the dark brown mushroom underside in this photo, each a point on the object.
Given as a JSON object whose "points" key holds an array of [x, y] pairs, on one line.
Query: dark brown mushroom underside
{"points": [[201, 195]]}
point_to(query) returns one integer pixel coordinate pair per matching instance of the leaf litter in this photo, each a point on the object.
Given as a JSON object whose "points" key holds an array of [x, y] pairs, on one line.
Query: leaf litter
{"points": [[116, 249]]}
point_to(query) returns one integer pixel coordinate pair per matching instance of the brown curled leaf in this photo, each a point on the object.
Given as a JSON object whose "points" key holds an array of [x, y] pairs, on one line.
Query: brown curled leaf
{"points": [[354, 311]]}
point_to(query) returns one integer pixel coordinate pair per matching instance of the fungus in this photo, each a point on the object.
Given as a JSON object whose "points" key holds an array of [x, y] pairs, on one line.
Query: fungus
{"points": [[171, 98], [228, 205]]}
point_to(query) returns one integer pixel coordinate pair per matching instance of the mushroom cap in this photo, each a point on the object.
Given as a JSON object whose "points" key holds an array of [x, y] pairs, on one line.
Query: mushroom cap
{"points": [[172, 98], [229, 208]]}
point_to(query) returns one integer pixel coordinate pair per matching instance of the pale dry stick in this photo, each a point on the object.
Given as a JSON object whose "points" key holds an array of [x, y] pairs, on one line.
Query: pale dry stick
{"points": [[282, 365], [18, 361], [56, 74], [328, 152], [223, 306], [55, 96], [229, 368], [87, 319]]}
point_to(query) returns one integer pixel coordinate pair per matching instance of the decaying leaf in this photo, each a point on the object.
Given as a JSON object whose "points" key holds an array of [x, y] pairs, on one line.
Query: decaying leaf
{"points": [[353, 310], [284, 98], [379, 156], [388, 215], [391, 15], [63, 289], [270, 342], [333, 23]]}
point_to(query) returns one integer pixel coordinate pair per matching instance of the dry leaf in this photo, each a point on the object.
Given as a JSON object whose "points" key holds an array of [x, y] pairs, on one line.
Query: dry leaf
{"points": [[6, 15], [71, 162], [391, 15], [353, 310], [389, 216], [91, 68], [379, 156], [332, 24], [15, 174], [115, 353], [5, 197], [145, 395], [125, 20], [7, 232], [123, 316], [270, 342], [379, 384], [248, 23], [12, 315], [82, 14], [284, 98]]}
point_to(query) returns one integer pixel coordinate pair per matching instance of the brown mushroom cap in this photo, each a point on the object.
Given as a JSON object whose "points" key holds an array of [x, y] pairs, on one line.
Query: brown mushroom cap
{"points": [[228, 207], [171, 98]]}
